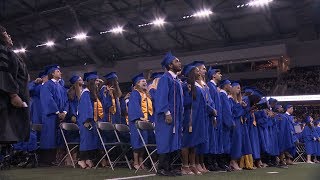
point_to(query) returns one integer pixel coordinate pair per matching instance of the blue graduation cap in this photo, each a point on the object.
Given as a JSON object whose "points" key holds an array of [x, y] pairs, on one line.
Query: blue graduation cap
{"points": [[197, 63], [51, 68], [111, 75], [212, 72], [308, 119], [224, 82], [262, 101], [187, 68], [288, 106], [258, 93], [271, 100], [42, 74], [74, 79], [235, 83], [137, 78], [90, 75], [168, 58], [156, 75]]}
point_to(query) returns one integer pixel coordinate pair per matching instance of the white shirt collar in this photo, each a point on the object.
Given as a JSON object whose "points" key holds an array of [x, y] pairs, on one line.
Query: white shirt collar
{"points": [[174, 75], [224, 91], [288, 113], [213, 82], [55, 81], [197, 84]]}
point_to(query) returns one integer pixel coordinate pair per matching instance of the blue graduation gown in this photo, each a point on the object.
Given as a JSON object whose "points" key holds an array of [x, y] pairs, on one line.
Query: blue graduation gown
{"points": [[135, 113], [35, 104], [169, 97], [317, 129], [246, 142], [103, 101], [204, 148], [53, 99], [227, 122], [29, 146], [308, 134], [72, 111], [273, 136], [215, 133], [107, 103], [195, 109], [262, 121], [286, 136], [236, 143], [88, 138]]}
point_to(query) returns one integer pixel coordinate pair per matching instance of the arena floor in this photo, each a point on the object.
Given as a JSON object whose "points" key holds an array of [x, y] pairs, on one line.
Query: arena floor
{"points": [[299, 172]]}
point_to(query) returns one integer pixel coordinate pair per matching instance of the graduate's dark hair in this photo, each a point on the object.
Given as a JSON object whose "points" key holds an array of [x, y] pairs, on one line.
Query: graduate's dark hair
{"points": [[50, 76], [191, 80], [71, 92], [115, 84], [91, 85]]}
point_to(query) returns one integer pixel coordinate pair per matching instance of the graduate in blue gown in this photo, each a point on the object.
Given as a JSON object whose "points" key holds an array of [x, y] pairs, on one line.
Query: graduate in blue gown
{"points": [[86, 120], [54, 108], [287, 137], [216, 138], [310, 138], [35, 104], [238, 112], [227, 119], [140, 108], [169, 113], [273, 133], [317, 129], [110, 98], [204, 148], [194, 127]]}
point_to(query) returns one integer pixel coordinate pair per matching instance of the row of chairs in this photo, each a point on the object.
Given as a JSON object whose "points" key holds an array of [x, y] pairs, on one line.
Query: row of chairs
{"points": [[116, 129]]}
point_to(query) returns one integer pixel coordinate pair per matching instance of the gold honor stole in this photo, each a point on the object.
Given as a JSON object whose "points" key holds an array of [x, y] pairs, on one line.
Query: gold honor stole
{"points": [[98, 110], [146, 105]]}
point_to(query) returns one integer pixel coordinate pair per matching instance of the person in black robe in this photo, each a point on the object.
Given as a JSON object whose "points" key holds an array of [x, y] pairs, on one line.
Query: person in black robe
{"points": [[14, 95]]}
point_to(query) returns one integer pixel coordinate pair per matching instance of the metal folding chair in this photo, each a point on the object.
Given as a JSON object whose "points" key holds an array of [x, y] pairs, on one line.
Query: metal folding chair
{"points": [[146, 126], [126, 146], [108, 127], [69, 127], [301, 152]]}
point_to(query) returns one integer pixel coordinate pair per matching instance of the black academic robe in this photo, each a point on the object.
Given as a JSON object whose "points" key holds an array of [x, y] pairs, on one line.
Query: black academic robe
{"points": [[14, 122]]}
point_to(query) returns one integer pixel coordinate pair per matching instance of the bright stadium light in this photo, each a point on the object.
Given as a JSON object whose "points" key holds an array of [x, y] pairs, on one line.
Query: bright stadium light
{"points": [[203, 13], [116, 30], [158, 22], [22, 50], [256, 3], [80, 36], [49, 44], [296, 98]]}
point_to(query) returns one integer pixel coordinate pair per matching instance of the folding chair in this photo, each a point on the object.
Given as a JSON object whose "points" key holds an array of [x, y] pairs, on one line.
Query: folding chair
{"points": [[123, 129], [146, 126], [69, 127], [301, 151], [108, 127]]}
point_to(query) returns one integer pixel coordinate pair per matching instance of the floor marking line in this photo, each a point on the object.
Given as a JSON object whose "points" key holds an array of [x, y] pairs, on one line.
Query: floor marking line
{"points": [[132, 177]]}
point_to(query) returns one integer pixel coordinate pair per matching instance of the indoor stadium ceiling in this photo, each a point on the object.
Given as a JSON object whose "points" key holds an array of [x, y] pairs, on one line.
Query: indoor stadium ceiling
{"points": [[32, 23]]}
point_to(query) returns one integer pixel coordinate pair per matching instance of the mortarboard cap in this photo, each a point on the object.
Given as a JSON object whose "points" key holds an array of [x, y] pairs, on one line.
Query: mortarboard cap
{"points": [[308, 119], [74, 79], [51, 68], [90, 75], [111, 75], [197, 63], [273, 100], [235, 83], [224, 82], [168, 58], [288, 106], [187, 69], [137, 78], [212, 72]]}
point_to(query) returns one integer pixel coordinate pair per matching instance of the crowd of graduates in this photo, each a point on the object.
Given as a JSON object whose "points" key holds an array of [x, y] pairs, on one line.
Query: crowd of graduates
{"points": [[212, 123]]}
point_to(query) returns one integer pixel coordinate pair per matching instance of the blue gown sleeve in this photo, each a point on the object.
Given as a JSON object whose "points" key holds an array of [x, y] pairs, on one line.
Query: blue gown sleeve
{"points": [[134, 106], [86, 108], [162, 103], [48, 104], [227, 117]]}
